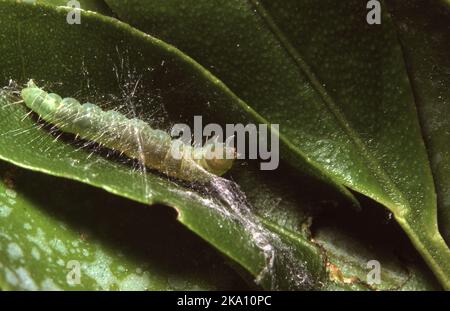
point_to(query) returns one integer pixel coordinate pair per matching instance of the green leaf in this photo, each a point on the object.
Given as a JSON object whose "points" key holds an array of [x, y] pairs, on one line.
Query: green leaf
{"points": [[347, 239], [426, 25], [170, 83], [50, 224], [345, 105]]}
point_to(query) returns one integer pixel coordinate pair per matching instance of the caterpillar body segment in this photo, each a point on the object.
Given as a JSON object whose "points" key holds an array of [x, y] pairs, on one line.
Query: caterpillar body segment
{"points": [[133, 137]]}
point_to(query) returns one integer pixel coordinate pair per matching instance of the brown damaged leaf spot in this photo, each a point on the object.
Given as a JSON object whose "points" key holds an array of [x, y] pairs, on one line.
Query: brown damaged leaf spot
{"points": [[336, 275], [8, 178]]}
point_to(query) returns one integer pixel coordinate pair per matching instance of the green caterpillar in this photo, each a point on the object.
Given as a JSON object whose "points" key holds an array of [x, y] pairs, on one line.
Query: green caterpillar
{"points": [[132, 137]]}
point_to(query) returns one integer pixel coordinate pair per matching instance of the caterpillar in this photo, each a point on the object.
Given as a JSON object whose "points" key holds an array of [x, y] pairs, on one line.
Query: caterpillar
{"points": [[132, 137]]}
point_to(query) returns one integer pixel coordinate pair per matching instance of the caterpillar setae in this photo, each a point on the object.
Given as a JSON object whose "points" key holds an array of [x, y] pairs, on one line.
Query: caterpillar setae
{"points": [[132, 137]]}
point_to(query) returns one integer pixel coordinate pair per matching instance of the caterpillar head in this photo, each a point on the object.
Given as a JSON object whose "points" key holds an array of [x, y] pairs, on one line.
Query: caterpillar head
{"points": [[218, 158]]}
